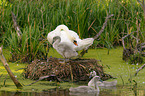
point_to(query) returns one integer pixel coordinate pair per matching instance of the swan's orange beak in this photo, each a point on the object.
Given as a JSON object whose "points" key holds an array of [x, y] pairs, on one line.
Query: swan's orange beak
{"points": [[75, 42]]}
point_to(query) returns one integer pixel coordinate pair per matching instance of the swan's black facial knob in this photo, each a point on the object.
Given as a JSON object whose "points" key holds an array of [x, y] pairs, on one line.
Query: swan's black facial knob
{"points": [[75, 42]]}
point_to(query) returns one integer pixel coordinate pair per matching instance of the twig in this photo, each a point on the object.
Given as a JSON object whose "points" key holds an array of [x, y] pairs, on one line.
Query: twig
{"points": [[103, 27], [6, 65], [91, 24], [71, 73], [1, 75], [5, 80], [139, 69], [122, 80], [135, 88], [100, 32], [19, 69], [41, 78], [143, 6], [16, 25], [124, 38]]}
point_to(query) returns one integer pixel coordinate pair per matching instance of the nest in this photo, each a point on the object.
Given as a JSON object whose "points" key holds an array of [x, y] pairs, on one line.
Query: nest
{"points": [[80, 69]]}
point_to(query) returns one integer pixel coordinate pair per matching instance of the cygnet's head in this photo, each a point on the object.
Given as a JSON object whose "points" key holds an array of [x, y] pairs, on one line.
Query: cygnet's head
{"points": [[93, 81], [56, 38], [97, 77], [92, 74]]}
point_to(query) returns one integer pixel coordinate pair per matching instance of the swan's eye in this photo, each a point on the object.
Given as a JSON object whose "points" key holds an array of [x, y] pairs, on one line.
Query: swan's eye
{"points": [[75, 42]]}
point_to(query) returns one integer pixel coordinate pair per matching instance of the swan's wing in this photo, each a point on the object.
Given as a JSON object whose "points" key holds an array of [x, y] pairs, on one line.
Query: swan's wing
{"points": [[74, 34], [64, 37], [84, 44], [51, 35], [100, 83], [69, 36], [107, 84], [83, 89]]}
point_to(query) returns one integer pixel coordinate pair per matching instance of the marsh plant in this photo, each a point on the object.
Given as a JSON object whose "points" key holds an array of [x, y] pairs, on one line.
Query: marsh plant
{"points": [[30, 46], [38, 17], [136, 59]]}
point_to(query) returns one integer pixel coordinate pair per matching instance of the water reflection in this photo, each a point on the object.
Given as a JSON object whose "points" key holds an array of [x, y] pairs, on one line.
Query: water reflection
{"points": [[49, 93], [118, 91]]}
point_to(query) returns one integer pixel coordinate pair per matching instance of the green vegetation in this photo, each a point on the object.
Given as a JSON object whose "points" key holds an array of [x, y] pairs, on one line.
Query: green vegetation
{"points": [[29, 47], [86, 17], [37, 18]]}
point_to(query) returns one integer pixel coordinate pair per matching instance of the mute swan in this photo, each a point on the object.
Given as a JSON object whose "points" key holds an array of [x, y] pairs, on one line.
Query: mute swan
{"points": [[104, 83], [63, 48], [87, 89], [69, 36]]}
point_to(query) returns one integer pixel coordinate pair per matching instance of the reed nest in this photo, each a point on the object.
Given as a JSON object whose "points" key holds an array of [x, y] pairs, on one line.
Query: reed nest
{"points": [[52, 67]]}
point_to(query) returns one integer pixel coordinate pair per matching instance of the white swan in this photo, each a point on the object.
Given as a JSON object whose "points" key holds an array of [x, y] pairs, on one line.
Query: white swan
{"points": [[104, 83], [61, 31], [87, 89], [63, 48], [69, 36]]}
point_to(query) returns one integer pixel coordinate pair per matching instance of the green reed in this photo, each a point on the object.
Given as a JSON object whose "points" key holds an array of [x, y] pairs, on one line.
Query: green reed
{"points": [[85, 17], [30, 46]]}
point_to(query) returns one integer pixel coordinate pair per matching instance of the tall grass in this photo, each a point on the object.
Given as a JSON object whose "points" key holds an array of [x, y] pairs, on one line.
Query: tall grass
{"points": [[85, 17], [32, 45]]}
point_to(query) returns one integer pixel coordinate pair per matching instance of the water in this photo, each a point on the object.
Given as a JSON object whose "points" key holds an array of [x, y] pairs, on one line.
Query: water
{"points": [[112, 63], [116, 91]]}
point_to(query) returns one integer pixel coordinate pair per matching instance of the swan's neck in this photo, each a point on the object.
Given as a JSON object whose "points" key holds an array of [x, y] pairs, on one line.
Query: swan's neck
{"points": [[96, 87], [69, 36], [95, 84], [64, 28]]}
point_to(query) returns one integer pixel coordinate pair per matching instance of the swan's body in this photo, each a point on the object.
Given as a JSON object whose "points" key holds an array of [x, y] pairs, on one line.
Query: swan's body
{"points": [[83, 89], [104, 83], [87, 88], [63, 48], [107, 83], [69, 36]]}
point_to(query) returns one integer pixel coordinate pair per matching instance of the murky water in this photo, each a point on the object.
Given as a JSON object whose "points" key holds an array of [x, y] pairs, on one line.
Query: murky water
{"points": [[112, 63], [109, 91]]}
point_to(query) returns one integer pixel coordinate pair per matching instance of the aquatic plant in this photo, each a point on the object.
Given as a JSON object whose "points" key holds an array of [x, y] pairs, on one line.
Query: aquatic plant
{"points": [[32, 45], [136, 59], [86, 17]]}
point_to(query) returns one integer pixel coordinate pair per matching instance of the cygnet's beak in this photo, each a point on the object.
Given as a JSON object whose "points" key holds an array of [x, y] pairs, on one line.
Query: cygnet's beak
{"points": [[90, 76], [53, 41], [100, 80]]}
